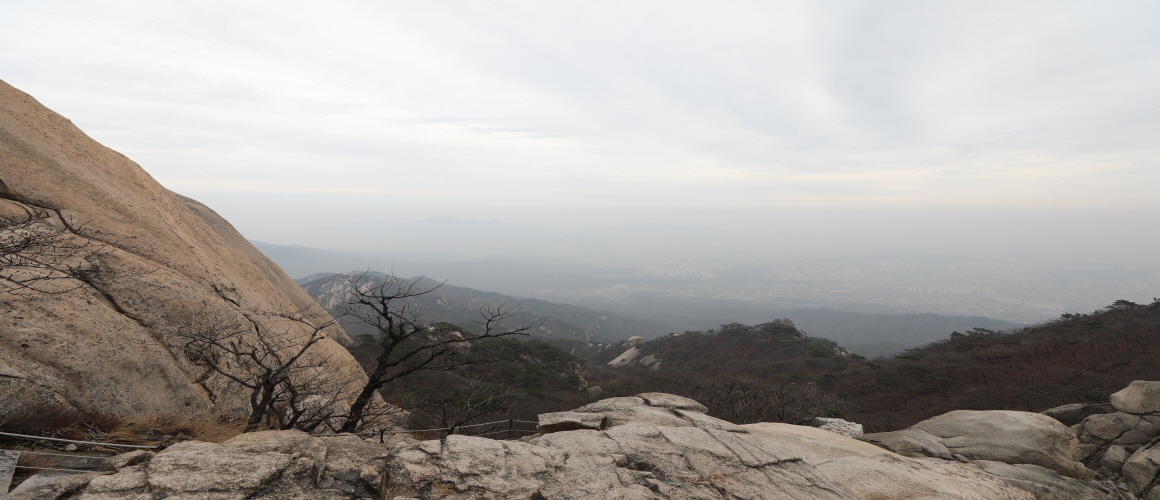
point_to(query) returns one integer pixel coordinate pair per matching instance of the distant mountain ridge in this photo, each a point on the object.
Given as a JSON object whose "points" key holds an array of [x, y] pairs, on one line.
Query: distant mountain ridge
{"points": [[460, 306], [865, 329]]}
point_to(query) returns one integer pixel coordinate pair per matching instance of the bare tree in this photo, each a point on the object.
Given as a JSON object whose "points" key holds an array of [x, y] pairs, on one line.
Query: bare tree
{"points": [[37, 256], [286, 387], [408, 345], [471, 401]]}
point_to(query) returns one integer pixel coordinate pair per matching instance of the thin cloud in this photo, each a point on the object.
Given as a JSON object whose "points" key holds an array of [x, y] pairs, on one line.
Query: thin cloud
{"points": [[765, 104]]}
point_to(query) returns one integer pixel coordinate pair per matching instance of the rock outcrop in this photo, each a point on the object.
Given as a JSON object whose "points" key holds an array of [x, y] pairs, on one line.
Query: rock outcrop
{"points": [[272, 465], [1014, 437], [100, 347], [1124, 445], [701, 458]]}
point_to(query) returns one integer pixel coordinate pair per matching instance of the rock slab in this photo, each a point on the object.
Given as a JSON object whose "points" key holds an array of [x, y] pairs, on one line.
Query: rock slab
{"points": [[1013, 437], [1139, 397], [99, 348]]}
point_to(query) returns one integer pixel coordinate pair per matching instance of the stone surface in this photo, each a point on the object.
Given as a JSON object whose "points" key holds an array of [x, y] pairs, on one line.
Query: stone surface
{"points": [[611, 404], [97, 348], [8, 461], [910, 443], [645, 414], [810, 443], [270, 465], [706, 422], [630, 461], [1114, 457], [569, 421], [1140, 396], [891, 477], [1072, 414], [635, 460], [626, 357], [1013, 437], [118, 462], [672, 401], [1141, 468], [1045, 483], [50, 486], [1107, 427], [838, 425]]}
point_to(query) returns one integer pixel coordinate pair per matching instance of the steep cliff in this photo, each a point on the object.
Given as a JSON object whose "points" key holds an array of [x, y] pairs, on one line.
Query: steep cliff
{"points": [[154, 257]]}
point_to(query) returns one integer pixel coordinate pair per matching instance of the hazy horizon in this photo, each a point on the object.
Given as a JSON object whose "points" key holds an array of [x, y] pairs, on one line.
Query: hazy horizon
{"points": [[948, 155]]}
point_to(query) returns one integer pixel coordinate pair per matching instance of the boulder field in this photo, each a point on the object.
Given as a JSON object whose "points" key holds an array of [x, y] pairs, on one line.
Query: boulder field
{"points": [[163, 257], [649, 447]]}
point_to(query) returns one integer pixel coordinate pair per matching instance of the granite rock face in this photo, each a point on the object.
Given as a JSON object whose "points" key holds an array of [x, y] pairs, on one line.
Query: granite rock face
{"points": [[1123, 446], [1014, 437], [100, 347], [635, 460], [1139, 397], [273, 465], [1074, 413], [838, 425], [638, 456]]}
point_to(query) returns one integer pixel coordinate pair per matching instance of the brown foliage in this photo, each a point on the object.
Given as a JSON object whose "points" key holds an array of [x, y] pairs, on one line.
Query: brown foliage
{"points": [[59, 422], [1079, 358], [143, 430]]}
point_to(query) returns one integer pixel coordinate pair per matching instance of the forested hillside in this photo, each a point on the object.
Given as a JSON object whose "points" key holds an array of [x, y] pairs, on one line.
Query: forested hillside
{"points": [[1080, 357]]}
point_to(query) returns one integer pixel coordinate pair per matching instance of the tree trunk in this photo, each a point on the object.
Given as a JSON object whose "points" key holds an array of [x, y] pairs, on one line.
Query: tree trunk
{"points": [[359, 405]]}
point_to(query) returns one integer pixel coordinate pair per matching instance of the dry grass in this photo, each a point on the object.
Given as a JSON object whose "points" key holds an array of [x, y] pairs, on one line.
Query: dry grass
{"points": [[169, 429], [58, 422], [141, 429]]}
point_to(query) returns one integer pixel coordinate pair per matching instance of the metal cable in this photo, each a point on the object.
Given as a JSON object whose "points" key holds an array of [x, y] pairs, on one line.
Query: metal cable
{"points": [[50, 468], [63, 455], [412, 431], [154, 447]]}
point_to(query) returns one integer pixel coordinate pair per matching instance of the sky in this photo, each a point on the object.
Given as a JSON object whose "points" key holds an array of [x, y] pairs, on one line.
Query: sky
{"points": [[841, 120]]}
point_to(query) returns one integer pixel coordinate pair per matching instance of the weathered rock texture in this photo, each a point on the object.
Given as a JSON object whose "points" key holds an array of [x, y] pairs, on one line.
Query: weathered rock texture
{"points": [[1124, 445], [1014, 437], [633, 460], [1139, 397], [99, 348], [271, 465], [639, 450]]}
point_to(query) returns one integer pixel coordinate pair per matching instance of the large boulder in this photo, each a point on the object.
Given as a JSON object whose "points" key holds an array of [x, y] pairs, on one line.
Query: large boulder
{"points": [[1012, 437], [1097, 433], [910, 443], [273, 465], [1139, 397], [653, 408], [672, 401], [1119, 440], [811, 444], [1074, 413], [101, 348], [569, 421], [1140, 470]]}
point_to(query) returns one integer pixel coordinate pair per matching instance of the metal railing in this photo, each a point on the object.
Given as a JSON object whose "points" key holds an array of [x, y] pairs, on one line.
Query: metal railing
{"points": [[511, 430], [94, 443], [70, 441]]}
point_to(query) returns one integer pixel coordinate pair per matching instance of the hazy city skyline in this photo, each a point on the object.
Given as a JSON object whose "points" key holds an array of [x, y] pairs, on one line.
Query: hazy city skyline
{"points": [[999, 132]]}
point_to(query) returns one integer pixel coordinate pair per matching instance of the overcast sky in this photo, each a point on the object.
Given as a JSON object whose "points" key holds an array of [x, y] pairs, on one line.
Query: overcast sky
{"points": [[285, 115]]}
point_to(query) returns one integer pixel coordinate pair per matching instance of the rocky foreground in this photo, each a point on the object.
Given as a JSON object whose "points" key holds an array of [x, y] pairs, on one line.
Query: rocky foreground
{"points": [[661, 446]]}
